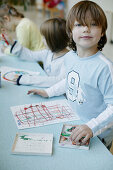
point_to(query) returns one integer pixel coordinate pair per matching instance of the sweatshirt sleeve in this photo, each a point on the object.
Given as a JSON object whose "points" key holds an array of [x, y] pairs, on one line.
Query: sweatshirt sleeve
{"points": [[105, 119], [56, 90], [26, 54], [102, 122], [42, 81]]}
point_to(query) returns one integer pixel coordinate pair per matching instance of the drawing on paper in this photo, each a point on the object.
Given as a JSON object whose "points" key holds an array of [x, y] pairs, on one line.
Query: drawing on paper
{"points": [[11, 74], [39, 114], [33, 143]]}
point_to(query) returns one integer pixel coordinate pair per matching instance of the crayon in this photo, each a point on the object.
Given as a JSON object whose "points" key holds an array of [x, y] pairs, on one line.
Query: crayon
{"points": [[5, 39], [65, 134], [70, 129]]}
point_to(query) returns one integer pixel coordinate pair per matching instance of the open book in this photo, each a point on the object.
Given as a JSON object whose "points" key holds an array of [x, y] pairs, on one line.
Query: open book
{"points": [[65, 140], [33, 144]]}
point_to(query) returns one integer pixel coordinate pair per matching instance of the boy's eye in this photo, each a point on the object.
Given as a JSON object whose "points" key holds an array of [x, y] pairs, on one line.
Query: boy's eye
{"points": [[77, 24], [93, 24]]}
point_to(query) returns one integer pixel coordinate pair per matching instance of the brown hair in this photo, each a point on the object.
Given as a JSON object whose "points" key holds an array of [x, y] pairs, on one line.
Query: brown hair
{"points": [[1, 25], [54, 31], [79, 12], [7, 9]]}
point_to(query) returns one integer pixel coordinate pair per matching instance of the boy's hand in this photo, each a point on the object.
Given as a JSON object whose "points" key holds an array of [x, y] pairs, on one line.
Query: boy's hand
{"points": [[39, 92], [81, 133]]}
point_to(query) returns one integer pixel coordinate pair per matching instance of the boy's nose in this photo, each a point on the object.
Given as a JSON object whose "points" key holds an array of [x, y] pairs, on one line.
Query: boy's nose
{"points": [[86, 28]]}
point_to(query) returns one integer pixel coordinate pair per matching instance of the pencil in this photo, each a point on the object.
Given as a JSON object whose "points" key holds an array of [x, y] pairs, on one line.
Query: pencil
{"points": [[5, 39]]}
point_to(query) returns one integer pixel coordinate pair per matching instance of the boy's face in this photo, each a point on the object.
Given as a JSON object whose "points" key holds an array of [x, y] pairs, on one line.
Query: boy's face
{"points": [[86, 37]]}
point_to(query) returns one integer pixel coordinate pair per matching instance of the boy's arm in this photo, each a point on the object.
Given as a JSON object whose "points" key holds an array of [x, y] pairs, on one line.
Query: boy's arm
{"points": [[42, 81], [26, 54], [102, 122], [105, 119], [56, 90], [94, 127]]}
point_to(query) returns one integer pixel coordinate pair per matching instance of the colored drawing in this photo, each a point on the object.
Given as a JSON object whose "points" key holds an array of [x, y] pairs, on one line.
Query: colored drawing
{"points": [[40, 114], [11, 74], [65, 140], [33, 143]]}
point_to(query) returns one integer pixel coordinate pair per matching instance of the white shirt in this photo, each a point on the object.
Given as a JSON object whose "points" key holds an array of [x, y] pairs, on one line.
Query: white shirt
{"points": [[54, 68]]}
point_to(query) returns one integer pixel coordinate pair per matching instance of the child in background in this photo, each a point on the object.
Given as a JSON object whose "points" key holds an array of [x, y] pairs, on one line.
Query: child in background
{"points": [[89, 81], [55, 37], [27, 32]]}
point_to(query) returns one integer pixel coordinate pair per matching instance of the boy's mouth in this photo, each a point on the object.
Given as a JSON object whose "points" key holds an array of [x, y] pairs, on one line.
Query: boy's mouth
{"points": [[86, 37]]}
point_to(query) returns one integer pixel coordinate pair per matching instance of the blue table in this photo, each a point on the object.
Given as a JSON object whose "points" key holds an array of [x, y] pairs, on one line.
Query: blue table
{"points": [[97, 158]]}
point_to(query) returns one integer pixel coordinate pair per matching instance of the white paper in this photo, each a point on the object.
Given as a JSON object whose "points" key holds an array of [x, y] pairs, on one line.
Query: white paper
{"points": [[33, 143], [10, 74], [40, 114]]}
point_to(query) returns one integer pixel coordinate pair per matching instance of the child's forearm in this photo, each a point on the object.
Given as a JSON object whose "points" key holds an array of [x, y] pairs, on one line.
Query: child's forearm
{"points": [[57, 89], [40, 81], [26, 54], [102, 122]]}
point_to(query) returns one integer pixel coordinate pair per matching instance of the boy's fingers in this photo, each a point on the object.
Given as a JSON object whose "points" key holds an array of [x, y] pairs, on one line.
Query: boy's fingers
{"points": [[30, 91], [79, 137], [86, 138], [33, 91], [74, 134]]}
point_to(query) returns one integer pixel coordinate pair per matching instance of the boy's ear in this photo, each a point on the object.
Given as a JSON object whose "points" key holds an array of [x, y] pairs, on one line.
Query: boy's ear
{"points": [[6, 18]]}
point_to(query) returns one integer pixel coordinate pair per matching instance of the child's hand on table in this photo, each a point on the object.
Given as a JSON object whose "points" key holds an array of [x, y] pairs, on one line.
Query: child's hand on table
{"points": [[81, 134], [39, 92]]}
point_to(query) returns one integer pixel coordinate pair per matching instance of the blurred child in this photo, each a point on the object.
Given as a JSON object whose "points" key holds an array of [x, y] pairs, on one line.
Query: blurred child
{"points": [[26, 31], [56, 39], [89, 81]]}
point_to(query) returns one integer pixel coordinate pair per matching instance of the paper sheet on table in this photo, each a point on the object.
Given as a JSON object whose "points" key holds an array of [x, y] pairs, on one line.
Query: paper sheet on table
{"points": [[9, 73], [45, 113]]}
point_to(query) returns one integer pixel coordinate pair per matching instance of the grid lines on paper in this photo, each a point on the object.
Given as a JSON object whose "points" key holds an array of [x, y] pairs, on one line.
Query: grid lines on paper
{"points": [[39, 115]]}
